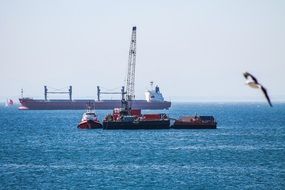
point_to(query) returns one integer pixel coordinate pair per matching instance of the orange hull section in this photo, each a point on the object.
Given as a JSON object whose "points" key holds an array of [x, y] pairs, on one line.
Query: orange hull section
{"points": [[89, 125]]}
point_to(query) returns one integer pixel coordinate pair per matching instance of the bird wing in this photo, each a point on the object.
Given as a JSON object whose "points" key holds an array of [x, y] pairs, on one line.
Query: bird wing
{"points": [[246, 74], [266, 95]]}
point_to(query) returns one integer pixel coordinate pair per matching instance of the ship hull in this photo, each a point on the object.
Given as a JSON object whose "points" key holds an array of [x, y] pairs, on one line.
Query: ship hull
{"points": [[32, 104], [158, 124], [89, 125], [194, 126], [195, 122]]}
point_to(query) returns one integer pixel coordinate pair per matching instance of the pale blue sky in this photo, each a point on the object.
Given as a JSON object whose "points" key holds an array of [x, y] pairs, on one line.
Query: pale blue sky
{"points": [[195, 50]]}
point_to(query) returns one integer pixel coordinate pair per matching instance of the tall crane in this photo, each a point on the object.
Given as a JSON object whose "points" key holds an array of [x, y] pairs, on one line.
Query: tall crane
{"points": [[131, 67]]}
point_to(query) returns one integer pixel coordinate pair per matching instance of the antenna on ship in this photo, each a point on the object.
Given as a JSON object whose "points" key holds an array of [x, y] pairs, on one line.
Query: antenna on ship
{"points": [[22, 93], [131, 68]]}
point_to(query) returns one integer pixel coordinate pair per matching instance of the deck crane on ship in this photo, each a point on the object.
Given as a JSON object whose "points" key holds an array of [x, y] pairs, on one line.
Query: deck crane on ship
{"points": [[126, 117], [130, 91]]}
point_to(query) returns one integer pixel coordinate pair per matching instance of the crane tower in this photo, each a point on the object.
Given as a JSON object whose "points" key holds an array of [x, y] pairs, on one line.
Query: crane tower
{"points": [[131, 67]]}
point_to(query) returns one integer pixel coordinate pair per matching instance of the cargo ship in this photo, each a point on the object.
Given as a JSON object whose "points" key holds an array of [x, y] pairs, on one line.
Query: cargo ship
{"points": [[129, 119], [154, 100]]}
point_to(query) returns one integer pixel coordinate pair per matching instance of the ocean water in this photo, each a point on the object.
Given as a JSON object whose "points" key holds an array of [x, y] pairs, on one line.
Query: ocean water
{"points": [[45, 150]]}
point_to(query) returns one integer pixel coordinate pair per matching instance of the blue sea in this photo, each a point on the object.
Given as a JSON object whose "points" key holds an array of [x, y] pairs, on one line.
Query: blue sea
{"points": [[45, 150]]}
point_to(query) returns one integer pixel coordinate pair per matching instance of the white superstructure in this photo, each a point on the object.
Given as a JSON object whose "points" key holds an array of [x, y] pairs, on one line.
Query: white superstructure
{"points": [[89, 116], [154, 95]]}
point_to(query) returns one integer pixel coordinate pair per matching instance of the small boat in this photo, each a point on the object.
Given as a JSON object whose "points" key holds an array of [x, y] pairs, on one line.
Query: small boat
{"points": [[89, 120], [195, 122], [9, 103]]}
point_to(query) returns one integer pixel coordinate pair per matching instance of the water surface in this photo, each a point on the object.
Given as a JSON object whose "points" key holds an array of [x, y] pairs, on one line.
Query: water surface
{"points": [[45, 150]]}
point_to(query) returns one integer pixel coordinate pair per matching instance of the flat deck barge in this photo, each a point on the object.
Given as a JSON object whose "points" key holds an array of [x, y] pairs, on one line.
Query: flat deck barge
{"points": [[195, 122]]}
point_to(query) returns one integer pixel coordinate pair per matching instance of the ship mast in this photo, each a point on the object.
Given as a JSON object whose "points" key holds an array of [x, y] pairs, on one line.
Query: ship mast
{"points": [[131, 68]]}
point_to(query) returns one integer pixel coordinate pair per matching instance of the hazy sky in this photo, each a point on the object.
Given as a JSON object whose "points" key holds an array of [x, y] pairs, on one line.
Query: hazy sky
{"points": [[196, 50]]}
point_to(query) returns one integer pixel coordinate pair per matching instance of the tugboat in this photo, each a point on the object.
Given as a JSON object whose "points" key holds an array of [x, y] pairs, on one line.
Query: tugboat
{"points": [[89, 120], [196, 122], [127, 118]]}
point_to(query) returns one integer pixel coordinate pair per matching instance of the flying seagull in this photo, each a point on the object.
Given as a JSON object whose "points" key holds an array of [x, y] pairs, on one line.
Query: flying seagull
{"points": [[253, 83]]}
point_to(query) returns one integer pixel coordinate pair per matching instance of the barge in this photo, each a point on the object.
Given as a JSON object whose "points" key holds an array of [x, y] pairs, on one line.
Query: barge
{"points": [[195, 122], [123, 118]]}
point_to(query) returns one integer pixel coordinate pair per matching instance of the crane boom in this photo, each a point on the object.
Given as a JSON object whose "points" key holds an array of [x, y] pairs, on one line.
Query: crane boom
{"points": [[131, 67]]}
